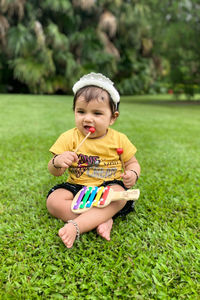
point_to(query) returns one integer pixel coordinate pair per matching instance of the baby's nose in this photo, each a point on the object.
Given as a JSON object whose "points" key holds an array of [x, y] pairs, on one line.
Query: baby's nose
{"points": [[88, 117]]}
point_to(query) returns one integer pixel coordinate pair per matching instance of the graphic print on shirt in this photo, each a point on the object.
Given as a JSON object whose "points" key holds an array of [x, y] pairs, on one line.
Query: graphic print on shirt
{"points": [[93, 166]]}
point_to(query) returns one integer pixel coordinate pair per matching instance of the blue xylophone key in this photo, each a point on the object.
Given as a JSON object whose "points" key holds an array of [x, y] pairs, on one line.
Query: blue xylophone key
{"points": [[92, 196]]}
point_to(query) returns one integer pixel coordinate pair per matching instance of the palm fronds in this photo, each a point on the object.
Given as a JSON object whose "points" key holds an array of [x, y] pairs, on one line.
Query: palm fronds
{"points": [[4, 25], [39, 33], [84, 4], [34, 71], [62, 6], [55, 38], [20, 40], [14, 7]]}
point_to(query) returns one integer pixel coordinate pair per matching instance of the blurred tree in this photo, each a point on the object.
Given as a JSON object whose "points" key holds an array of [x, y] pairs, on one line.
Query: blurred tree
{"points": [[50, 44], [176, 37], [47, 45]]}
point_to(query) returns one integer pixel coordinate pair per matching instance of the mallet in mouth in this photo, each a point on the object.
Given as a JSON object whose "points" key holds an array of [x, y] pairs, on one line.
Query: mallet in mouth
{"points": [[119, 152], [91, 130]]}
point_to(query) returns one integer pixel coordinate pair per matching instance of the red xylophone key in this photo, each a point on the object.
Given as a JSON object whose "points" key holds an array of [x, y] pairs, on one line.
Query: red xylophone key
{"points": [[105, 195]]}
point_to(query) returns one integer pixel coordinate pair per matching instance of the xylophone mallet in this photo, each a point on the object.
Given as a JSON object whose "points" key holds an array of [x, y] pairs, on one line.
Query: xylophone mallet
{"points": [[91, 130], [119, 152]]}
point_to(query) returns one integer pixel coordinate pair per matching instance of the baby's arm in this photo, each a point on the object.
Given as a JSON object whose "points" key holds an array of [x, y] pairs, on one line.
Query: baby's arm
{"points": [[132, 169], [58, 164]]}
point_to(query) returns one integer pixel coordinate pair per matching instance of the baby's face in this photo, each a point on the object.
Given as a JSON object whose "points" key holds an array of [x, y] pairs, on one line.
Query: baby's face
{"points": [[95, 113]]}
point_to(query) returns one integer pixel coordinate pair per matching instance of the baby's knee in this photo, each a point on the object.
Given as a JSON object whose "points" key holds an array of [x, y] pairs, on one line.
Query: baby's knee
{"points": [[51, 203], [120, 204]]}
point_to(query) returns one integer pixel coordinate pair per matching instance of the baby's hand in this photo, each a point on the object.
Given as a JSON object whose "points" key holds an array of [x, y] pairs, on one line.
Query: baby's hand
{"points": [[65, 159], [129, 179]]}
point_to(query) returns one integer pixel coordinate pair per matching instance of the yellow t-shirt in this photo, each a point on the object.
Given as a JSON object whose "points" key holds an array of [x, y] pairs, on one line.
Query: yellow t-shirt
{"points": [[98, 158]]}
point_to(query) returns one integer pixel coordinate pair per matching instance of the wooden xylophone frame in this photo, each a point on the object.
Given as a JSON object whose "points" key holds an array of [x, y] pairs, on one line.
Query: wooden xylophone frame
{"points": [[100, 197]]}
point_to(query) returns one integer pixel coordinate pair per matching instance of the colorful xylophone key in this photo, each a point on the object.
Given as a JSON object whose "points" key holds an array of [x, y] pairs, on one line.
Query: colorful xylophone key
{"points": [[81, 195], [104, 196], [92, 196], [98, 196], [85, 198]]}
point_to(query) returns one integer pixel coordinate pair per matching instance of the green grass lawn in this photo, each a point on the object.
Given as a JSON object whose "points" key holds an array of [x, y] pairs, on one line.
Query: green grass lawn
{"points": [[154, 252]]}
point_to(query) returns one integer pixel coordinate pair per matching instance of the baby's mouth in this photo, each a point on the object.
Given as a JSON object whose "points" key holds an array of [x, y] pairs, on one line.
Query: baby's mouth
{"points": [[87, 128]]}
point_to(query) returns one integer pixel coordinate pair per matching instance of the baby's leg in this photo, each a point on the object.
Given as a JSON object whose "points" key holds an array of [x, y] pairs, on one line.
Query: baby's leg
{"points": [[59, 204], [90, 220], [104, 229]]}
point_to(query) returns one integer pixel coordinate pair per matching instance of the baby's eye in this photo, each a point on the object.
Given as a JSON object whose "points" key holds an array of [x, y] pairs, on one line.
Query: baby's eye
{"points": [[80, 111], [98, 113]]}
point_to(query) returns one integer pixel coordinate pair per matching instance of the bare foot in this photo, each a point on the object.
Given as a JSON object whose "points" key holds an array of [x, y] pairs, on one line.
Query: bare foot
{"points": [[104, 229], [68, 234]]}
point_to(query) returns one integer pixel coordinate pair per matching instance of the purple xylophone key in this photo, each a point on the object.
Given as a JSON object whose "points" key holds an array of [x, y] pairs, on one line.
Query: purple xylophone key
{"points": [[76, 206]]}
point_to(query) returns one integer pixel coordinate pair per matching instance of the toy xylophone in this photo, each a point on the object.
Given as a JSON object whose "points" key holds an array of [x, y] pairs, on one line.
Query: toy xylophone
{"points": [[100, 197]]}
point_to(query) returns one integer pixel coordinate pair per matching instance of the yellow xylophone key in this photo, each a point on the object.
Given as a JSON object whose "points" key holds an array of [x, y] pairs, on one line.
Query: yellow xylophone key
{"points": [[98, 196]]}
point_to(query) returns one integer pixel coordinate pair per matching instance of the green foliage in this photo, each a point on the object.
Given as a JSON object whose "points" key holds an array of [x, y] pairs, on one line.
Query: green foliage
{"points": [[153, 252], [56, 39], [141, 45], [72, 41], [59, 6], [34, 71], [177, 22], [20, 41]]}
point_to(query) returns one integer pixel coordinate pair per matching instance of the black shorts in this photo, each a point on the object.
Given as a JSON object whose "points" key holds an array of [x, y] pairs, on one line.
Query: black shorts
{"points": [[75, 188]]}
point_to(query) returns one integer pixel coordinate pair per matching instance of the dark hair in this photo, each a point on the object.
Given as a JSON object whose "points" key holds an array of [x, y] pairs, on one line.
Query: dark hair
{"points": [[94, 92]]}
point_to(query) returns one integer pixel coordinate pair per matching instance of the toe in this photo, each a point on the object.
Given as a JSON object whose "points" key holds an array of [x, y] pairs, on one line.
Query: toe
{"points": [[69, 245], [106, 236], [61, 232], [101, 229]]}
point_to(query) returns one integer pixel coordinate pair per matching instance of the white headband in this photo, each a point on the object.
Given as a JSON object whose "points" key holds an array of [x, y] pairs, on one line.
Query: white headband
{"points": [[97, 79]]}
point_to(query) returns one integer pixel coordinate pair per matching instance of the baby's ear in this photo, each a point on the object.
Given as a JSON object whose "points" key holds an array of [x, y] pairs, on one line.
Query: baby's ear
{"points": [[114, 117]]}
